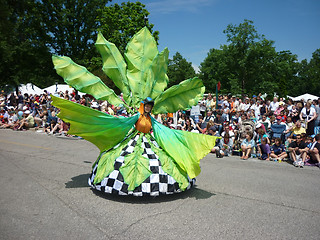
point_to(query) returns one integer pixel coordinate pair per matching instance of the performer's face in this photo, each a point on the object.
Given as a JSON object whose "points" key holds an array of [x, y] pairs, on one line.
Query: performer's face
{"points": [[147, 108]]}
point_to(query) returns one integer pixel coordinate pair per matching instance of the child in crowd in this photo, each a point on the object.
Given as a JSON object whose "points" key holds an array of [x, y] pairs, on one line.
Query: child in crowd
{"points": [[226, 142], [247, 145], [264, 149], [278, 151]]}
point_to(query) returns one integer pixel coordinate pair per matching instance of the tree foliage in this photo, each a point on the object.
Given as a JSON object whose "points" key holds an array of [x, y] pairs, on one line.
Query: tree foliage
{"points": [[22, 52], [31, 31], [179, 69], [250, 64]]}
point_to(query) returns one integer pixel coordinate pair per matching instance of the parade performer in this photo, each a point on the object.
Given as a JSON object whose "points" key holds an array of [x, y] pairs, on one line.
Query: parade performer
{"points": [[138, 155]]}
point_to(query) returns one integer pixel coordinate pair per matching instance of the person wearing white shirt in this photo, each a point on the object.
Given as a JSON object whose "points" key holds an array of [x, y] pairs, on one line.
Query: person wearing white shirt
{"points": [[274, 104]]}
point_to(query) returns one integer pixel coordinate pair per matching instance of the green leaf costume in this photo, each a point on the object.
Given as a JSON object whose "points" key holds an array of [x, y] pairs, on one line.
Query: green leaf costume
{"points": [[131, 161]]}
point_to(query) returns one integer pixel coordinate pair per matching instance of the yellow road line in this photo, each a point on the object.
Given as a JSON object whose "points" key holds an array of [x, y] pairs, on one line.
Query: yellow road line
{"points": [[26, 145]]}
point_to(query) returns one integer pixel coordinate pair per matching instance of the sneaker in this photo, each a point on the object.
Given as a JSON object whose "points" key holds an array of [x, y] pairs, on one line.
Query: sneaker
{"points": [[301, 164], [295, 164]]}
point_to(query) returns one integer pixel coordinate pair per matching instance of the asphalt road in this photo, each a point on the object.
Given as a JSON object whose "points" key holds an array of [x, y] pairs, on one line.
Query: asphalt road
{"points": [[44, 195]]}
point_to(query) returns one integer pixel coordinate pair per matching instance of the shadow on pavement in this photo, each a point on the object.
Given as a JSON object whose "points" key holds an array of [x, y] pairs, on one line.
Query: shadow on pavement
{"points": [[195, 192], [80, 181]]}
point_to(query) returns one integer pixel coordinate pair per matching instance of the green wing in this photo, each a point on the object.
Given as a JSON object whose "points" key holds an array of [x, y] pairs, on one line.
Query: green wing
{"points": [[179, 97], [101, 129], [114, 65], [140, 52], [84, 81], [159, 68], [186, 148]]}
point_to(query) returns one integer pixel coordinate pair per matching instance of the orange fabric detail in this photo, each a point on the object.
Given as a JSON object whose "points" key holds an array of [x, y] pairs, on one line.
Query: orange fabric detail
{"points": [[144, 122], [141, 108], [170, 115]]}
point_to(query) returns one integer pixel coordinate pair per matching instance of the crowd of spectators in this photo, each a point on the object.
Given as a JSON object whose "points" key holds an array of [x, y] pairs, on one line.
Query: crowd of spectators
{"points": [[277, 129]]}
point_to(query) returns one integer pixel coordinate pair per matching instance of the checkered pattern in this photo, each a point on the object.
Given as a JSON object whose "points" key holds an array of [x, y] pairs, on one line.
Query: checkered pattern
{"points": [[157, 183]]}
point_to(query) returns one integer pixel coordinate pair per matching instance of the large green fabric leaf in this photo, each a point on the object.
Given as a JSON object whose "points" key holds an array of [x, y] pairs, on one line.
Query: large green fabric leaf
{"points": [[169, 166], [186, 148], [140, 52], [179, 97], [81, 79], [114, 65], [106, 162], [136, 167], [159, 68], [103, 130]]}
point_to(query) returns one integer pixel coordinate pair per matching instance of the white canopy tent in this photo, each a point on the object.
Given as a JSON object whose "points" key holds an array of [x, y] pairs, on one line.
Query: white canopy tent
{"points": [[304, 97], [57, 88], [30, 89]]}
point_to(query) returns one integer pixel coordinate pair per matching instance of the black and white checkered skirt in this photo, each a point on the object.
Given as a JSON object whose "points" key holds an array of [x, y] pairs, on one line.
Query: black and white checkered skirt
{"points": [[158, 183]]}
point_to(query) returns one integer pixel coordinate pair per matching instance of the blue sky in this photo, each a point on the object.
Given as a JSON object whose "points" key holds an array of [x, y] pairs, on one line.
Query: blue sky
{"points": [[192, 27]]}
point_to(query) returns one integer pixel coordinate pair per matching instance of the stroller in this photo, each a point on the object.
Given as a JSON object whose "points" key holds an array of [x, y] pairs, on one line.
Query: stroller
{"points": [[247, 126]]}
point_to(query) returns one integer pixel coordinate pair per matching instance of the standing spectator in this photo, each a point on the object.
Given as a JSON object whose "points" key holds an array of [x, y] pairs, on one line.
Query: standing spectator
{"points": [[265, 122], [317, 107], [218, 122], [20, 100], [298, 151], [203, 106], [247, 105], [220, 101], [308, 114], [210, 102], [274, 104], [12, 100]]}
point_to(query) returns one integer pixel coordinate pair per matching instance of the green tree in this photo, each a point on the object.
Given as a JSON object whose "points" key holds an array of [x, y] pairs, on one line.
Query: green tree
{"points": [[179, 69], [249, 64], [308, 79], [22, 53]]}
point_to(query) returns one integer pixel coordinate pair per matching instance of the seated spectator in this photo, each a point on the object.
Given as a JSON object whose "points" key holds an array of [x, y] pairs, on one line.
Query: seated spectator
{"points": [[226, 143], [27, 122], [214, 132], [228, 130], [247, 145], [199, 123], [261, 134], [298, 151], [188, 125], [314, 150], [51, 123], [264, 149], [208, 118], [298, 129], [208, 126], [278, 151]]}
